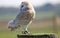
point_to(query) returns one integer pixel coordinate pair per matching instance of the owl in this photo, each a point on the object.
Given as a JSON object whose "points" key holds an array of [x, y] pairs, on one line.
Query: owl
{"points": [[24, 18]]}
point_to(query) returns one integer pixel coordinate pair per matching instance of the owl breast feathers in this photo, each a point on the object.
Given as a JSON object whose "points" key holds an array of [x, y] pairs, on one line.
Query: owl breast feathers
{"points": [[26, 14]]}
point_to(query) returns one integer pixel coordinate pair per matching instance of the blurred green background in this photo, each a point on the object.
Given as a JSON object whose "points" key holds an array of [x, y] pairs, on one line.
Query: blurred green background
{"points": [[43, 23]]}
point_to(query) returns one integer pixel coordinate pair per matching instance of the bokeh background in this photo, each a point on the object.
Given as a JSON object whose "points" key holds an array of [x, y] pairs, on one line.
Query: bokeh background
{"points": [[47, 19]]}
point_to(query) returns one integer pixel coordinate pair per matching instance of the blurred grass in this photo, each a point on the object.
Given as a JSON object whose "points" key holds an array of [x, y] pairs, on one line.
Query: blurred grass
{"points": [[8, 34], [46, 29], [7, 17]]}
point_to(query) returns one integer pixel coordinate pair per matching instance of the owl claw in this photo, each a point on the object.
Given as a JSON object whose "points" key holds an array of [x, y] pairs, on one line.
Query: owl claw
{"points": [[25, 32]]}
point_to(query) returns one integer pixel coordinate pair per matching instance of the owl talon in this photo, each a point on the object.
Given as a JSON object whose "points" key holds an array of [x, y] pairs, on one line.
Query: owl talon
{"points": [[25, 32]]}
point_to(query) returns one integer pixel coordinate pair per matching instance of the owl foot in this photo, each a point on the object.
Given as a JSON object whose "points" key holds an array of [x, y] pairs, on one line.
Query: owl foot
{"points": [[25, 32]]}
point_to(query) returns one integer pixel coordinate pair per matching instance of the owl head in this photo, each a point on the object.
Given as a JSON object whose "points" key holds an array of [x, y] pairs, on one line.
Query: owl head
{"points": [[25, 5]]}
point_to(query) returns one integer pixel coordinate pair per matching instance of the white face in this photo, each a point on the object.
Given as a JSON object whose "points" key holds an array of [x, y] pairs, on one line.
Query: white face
{"points": [[24, 5]]}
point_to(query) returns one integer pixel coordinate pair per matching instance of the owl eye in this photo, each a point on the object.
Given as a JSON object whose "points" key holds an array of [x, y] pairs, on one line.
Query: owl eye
{"points": [[22, 6]]}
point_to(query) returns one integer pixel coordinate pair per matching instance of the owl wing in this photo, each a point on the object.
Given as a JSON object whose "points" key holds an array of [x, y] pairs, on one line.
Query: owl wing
{"points": [[20, 16], [26, 15]]}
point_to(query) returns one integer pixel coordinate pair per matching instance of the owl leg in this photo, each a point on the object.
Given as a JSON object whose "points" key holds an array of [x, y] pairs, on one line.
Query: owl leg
{"points": [[24, 30]]}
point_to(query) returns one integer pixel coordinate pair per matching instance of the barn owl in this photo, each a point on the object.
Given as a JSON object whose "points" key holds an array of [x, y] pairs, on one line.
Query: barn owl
{"points": [[24, 18]]}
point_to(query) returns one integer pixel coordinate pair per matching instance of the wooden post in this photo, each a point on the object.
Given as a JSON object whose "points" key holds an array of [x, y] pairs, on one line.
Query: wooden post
{"points": [[37, 36]]}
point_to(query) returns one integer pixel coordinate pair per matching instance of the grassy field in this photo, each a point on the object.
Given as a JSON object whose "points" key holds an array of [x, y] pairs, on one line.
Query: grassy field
{"points": [[38, 27]]}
